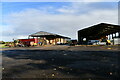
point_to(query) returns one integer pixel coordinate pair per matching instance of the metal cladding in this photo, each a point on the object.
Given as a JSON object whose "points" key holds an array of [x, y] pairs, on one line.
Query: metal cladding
{"points": [[98, 31]]}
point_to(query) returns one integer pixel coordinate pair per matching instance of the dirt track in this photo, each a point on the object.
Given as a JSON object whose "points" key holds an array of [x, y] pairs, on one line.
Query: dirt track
{"points": [[89, 62]]}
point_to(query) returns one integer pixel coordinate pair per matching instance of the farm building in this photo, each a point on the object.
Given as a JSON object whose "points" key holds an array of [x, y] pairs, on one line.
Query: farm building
{"points": [[45, 38], [26, 42], [100, 31]]}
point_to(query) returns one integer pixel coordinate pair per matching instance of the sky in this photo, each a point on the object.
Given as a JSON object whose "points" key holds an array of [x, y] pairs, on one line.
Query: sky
{"points": [[20, 19]]}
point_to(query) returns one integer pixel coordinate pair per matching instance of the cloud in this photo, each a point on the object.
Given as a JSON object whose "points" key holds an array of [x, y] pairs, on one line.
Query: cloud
{"points": [[85, 7], [66, 11], [68, 23]]}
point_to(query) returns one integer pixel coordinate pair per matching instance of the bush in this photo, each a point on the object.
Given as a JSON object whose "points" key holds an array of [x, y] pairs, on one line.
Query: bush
{"points": [[2, 42]]}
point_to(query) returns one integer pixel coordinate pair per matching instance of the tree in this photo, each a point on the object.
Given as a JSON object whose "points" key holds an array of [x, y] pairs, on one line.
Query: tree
{"points": [[2, 42]]}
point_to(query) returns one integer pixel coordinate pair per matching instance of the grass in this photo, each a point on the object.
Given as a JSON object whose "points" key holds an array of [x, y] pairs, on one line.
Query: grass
{"points": [[3, 46]]}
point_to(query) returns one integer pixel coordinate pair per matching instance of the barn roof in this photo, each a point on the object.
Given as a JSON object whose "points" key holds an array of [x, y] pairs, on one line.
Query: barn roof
{"points": [[47, 34], [99, 30]]}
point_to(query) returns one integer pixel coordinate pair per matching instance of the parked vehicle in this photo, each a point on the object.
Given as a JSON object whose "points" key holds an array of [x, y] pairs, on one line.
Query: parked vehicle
{"points": [[93, 42], [104, 42], [98, 42], [101, 43]]}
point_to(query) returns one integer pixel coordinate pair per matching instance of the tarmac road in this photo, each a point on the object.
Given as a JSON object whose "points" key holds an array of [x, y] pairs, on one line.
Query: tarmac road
{"points": [[84, 62]]}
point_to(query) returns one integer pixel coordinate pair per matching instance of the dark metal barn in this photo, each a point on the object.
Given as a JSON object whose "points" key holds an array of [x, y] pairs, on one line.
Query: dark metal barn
{"points": [[98, 31]]}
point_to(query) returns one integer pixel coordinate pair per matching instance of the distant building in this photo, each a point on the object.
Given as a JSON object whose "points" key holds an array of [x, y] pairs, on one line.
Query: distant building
{"points": [[45, 38], [100, 31]]}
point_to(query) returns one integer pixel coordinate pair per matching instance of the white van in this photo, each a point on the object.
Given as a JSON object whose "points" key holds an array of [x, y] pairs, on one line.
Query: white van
{"points": [[97, 42], [93, 42], [101, 43]]}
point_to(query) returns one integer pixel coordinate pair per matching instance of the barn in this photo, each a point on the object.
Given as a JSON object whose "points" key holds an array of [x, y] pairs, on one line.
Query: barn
{"points": [[100, 31], [46, 38]]}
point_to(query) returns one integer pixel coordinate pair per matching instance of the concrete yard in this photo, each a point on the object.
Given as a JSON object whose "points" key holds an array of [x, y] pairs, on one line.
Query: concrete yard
{"points": [[83, 62]]}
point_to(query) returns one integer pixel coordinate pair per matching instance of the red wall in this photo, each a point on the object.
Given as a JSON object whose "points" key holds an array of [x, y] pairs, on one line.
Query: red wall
{"points": [[25, 40], [36, 40]]}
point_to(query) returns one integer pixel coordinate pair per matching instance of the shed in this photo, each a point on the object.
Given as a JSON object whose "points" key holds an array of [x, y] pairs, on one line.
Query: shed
{"points": [[51, 38], [98, 31]]}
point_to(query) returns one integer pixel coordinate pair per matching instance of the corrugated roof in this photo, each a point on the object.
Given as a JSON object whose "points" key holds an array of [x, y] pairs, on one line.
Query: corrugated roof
{"points": [[40, 33], [46, 34], [99, 30]]}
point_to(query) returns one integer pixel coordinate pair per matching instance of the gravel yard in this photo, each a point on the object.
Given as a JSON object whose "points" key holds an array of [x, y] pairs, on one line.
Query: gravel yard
{"points": [[84, 62]]}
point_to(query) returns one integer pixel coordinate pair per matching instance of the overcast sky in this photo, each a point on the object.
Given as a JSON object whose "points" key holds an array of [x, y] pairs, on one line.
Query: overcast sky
{"points": [[19, 19]]}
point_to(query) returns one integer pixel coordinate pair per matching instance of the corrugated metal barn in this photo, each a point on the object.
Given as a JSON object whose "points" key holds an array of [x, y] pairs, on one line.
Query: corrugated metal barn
{"points": [[99, 31]]}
